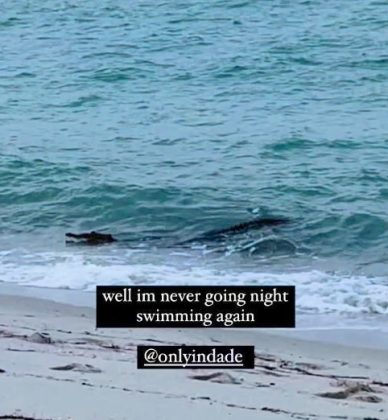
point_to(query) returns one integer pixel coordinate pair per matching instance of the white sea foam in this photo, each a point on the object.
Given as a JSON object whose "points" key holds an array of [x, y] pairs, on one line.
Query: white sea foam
{"points": [[317, 291]]}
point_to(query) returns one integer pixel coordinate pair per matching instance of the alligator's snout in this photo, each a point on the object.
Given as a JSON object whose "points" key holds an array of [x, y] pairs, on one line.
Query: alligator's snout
{"points": [[91, 238]]}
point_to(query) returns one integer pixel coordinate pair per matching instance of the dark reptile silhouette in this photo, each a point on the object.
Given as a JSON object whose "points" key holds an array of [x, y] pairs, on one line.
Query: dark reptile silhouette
{"points": [[92, 238], [96, 238]]}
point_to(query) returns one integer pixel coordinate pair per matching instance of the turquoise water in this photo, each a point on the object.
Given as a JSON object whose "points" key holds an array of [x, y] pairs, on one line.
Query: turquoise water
{"points": [[173, 118]]}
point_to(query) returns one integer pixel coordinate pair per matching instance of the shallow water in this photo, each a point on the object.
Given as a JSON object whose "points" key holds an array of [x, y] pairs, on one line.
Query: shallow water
{"points": [[171, 119]]}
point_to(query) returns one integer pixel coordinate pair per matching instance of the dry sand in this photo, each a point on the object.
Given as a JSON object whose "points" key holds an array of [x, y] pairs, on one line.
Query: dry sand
{"points": [[54, 364]]}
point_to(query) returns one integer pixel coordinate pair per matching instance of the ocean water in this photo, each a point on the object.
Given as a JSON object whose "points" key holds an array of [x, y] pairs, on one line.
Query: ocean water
{"points": [[157, 121]]}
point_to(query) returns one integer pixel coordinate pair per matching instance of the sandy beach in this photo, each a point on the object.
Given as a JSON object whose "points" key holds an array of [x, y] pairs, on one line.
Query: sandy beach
{"points": [[54, 364]]}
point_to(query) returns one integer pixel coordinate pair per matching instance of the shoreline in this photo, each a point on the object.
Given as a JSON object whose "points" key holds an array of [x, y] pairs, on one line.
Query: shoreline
{"points": [[54, 364], [311, 328]]}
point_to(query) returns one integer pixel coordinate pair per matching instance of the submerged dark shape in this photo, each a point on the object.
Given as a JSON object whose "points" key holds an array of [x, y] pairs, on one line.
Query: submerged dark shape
{"points": [[245, 227], [92, 238], [95, 238]]}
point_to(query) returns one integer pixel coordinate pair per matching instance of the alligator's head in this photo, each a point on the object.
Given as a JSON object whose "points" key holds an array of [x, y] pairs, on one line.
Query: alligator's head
{"points": [[91, 238]]}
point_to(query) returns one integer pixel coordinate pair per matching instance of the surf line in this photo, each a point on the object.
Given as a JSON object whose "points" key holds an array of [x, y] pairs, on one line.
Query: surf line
{"points": [[227, 319]]}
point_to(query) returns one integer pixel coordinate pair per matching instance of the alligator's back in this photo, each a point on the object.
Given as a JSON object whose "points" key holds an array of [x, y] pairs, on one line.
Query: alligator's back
{"points": [[221, 234], [246, 226]]}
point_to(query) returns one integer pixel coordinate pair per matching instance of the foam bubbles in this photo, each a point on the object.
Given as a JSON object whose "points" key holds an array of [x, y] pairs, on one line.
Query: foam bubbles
{"points": [[317, 292]]}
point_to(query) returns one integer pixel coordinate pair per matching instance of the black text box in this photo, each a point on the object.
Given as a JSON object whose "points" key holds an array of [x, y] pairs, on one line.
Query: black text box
{"points": [[195, 306]]}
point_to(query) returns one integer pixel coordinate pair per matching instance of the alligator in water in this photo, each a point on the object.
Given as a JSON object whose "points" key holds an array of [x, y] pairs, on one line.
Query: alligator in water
{"points": [[96, 238]]}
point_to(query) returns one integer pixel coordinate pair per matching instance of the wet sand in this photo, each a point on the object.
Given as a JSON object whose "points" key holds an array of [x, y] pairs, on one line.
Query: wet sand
{"points": [[54, 364]]}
